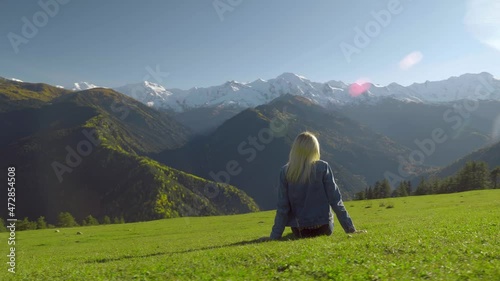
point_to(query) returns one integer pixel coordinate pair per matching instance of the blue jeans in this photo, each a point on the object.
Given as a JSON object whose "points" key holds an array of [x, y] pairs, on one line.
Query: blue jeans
{"points": [[326, 229]]}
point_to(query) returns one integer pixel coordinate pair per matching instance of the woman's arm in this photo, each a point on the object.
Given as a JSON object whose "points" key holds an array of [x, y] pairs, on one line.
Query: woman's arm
{"points": [[335, 200], [283, 207]]}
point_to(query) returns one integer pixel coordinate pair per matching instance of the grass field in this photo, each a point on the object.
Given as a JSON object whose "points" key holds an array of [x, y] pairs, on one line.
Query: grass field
{"points": [[438, 237]]}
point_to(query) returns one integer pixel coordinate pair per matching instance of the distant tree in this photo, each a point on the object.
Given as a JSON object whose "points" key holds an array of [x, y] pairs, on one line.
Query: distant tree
{"points": [[482, 175], [495, 176], [422, 188], [65, 219], [447, 185], [475, 175], [106, 220], [385, 189], [41, 223], [118, 220], [2, 225], [402, 189], [377, 190], [360, 195], [369, 193], [395, 193], [434, 186], [409, 190], [25, 224], [90, 220]]}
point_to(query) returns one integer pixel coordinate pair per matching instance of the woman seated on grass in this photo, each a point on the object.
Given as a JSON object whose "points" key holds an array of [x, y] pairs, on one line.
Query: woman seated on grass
{"points": [[306, 191]]}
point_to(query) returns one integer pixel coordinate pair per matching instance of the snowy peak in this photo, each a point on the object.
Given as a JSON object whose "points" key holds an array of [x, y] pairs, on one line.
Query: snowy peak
{"points": [[482, 86], [149, 93], [337, 84], [234, 85], [81, 86], [155, 88], [244, 95], [292, 77]]}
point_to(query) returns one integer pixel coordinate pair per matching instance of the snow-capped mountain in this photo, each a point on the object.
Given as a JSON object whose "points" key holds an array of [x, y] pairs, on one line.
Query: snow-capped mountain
{"points": [[480, 86], [149, 93], [232, 93], [80, 86]]}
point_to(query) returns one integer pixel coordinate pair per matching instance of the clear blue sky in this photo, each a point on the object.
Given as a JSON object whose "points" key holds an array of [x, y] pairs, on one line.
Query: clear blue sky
{"points": [[111, 43]]}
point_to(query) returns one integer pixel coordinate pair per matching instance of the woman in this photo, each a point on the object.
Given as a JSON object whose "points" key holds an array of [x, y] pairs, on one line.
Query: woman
{"points": [[306, 191]]}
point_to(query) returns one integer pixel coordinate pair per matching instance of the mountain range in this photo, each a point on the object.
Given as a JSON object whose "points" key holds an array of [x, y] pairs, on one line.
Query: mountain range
{"points": [[224, 101], [219, 103], [412, 125], [84, 152], [258, 92], [489, 154], [144, 152], [258, 140]]}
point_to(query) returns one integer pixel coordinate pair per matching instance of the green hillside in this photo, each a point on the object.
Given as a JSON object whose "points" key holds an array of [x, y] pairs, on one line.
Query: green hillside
{"points": [[357, 154], [84, 153], [16, 95], [438, 237], [205, 120], [489, 154], [405, 123]]}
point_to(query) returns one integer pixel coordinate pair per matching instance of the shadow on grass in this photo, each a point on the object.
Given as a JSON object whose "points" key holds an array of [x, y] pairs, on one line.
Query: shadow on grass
{"points": [[287, 237]]}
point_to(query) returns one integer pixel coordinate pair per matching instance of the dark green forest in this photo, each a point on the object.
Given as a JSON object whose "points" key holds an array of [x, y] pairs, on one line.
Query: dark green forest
{"points": [[474, 175]]}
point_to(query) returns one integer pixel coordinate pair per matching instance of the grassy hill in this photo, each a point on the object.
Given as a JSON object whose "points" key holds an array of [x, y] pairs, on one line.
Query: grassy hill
{"points": [[83, 152], [358, 155], [437, 237], [16, 95]]}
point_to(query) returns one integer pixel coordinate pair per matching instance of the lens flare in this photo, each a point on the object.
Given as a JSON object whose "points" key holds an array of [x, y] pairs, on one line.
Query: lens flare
{"points": [[359, 87], [410, 60], [482, 21]]}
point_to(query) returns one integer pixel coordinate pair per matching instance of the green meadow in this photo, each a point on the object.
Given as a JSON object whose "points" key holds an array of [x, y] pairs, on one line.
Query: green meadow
{"points": [[436, 237]]}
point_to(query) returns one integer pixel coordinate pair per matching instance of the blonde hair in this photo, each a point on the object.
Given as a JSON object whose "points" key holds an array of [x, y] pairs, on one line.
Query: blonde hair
{"points": [[304, 152]]}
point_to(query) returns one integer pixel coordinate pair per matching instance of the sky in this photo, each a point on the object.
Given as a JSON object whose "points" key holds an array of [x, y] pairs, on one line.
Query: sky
{"points": [[188, 43]]}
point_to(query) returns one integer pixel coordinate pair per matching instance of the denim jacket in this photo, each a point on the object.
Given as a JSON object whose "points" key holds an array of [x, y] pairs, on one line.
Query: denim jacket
{"points": [[308, 204]]}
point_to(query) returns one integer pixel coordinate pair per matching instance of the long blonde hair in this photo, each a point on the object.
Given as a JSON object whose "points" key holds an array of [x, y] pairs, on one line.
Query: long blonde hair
{"points": [[304, 152]]}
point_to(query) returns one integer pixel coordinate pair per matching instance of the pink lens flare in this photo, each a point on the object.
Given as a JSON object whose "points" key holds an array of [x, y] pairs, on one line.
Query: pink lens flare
{"points": [[410, 60], [359, 87]]}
